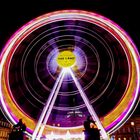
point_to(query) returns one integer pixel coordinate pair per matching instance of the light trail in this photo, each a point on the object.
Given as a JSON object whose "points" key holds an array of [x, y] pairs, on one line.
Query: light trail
{"points": [[89, 107], [50, 102], [48, 107]]}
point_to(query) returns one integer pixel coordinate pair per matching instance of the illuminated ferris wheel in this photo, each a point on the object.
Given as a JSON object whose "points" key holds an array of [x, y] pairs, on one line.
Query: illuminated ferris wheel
{"points": [[65, 65]]}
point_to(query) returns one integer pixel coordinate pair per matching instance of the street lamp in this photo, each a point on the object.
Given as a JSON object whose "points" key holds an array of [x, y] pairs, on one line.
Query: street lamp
{"points": [[134, 131], [132, 124]]}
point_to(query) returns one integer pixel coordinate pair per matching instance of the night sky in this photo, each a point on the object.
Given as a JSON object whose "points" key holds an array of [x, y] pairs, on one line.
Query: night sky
{"points": [[13, 15]]}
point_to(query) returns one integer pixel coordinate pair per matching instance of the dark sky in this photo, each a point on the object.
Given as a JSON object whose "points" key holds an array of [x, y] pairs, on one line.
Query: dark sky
{"points": [[15, 14]]}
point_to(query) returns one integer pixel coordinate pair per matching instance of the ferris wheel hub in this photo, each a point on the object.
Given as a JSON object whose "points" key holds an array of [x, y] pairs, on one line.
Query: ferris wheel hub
{"points": [[66, 59]]}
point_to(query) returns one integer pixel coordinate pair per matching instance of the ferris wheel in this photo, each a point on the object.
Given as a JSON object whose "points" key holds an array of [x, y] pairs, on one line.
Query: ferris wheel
{"points": [[64, 65]]}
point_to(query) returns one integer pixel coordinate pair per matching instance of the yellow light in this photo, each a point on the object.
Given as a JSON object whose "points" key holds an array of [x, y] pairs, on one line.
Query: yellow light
{"points": [[66, 59]]}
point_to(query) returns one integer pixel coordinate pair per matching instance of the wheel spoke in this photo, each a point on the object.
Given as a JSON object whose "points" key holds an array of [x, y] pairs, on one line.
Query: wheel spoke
{"points": [[89, 107], [48, 107]]}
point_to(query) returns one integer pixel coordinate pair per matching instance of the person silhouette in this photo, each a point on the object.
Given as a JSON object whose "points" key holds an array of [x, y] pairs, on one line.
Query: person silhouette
{"points": [[18, 131], [91, 131]]}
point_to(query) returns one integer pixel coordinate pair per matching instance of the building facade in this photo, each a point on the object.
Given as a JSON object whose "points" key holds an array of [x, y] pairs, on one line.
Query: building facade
{"points": [[5, 129], [130, 130]]}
